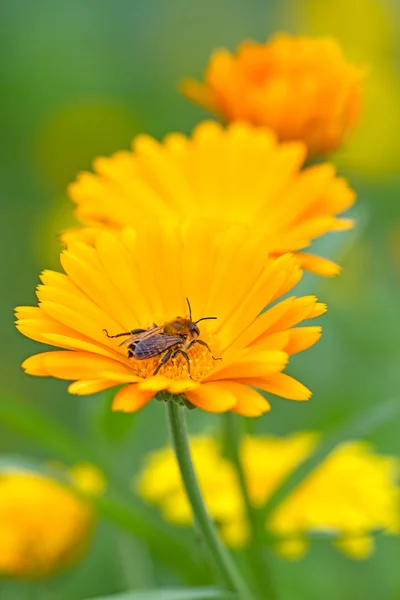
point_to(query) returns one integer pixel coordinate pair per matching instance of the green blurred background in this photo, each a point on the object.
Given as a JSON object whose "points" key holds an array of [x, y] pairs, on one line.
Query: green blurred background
{"points": [[81, 78]]}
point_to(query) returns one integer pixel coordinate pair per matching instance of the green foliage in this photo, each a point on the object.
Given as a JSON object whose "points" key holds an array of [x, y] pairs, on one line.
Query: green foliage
{"points": [[115, 426], [174, 594], [25, 419]]}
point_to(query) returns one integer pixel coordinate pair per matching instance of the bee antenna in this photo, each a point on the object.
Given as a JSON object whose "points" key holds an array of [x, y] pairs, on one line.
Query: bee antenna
{"points": [[205, 319], [190, 308]]}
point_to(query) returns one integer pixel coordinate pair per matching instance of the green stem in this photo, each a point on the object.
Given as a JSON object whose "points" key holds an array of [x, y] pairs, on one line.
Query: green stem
{"points": [[256, 550], [222, 559]]}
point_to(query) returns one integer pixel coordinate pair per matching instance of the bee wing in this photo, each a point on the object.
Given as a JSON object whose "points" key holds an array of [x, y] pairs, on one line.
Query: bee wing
{"points": [[154, 345], [138, 337]]}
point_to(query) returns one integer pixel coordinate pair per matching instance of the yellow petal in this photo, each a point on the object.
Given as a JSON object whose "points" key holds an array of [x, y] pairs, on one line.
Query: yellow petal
{"points": [[249, 403], [34, 365], [300, 309], [72, 365], [213, 397], [125, 377], [285, 386], [181, 387], [317, 264], [74, 343], [90, 386], [260, 326], [82, 264], [253, 364], [276, 341], [301, 338], [130, 398]]}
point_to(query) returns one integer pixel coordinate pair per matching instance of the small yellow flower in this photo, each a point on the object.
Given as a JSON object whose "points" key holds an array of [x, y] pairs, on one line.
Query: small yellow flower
{"points": [[44, 526], [300, 87], [352, 493], [239, 174], [131, 279]]}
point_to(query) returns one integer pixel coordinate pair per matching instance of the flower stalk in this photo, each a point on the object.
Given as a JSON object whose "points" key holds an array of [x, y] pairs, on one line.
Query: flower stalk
{"points": [[222, 560], [232, 435]]}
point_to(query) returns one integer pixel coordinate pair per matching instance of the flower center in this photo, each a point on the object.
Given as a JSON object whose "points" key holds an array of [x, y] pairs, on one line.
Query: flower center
{"points": [[177, 367]]}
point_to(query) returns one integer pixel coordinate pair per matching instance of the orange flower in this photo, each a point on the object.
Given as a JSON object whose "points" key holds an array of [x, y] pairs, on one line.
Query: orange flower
{"points": [[131, 278], [239, 174], [300, 87]]}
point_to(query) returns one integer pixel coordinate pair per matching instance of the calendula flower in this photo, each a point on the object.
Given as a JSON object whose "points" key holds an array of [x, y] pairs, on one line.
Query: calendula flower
{"points": [[44, 525], [351, 494], [140, 279], [240, 174], [301, 87]]}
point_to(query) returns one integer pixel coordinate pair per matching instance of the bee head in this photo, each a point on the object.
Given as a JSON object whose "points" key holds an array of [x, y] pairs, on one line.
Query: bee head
{"points": [[194, 330]]}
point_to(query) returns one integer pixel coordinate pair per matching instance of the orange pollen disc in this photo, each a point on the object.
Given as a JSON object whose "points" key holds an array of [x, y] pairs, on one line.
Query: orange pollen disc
{"points": [[200, 359]]}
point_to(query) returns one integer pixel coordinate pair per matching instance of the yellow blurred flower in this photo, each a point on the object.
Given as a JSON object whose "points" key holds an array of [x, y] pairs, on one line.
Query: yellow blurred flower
{"points": [[131, 279], [44, 526], [87, 479], [300, 87], [238, 174], [351, 494]]}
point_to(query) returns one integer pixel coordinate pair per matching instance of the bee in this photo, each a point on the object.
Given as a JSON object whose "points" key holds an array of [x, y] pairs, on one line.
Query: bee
{"points": [[173, 338]]}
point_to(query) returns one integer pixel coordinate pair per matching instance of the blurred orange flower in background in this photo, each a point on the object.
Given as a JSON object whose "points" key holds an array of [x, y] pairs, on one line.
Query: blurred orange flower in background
{"points": [[368, 34], [300, 87]]}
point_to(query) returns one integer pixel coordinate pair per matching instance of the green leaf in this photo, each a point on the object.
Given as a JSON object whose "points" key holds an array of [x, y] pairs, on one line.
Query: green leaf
{"points": [[169, 544], [114, 426], [28, 420], [208, 593], [356, 428]]}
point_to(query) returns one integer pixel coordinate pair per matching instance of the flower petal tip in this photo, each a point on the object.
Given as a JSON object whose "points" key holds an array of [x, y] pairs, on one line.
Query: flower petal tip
{"points": [[303, 393], [34, 365], [322, 307]]}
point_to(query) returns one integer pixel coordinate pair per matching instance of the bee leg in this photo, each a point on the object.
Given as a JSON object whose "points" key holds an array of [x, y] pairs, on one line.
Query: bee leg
{"points": [[133, 332], [202, 343], [164, 360], [185, 356]]}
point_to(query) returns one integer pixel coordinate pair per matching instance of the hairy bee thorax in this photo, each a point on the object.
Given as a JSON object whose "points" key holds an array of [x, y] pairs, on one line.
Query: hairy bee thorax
{"points": [[181, 326]]}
